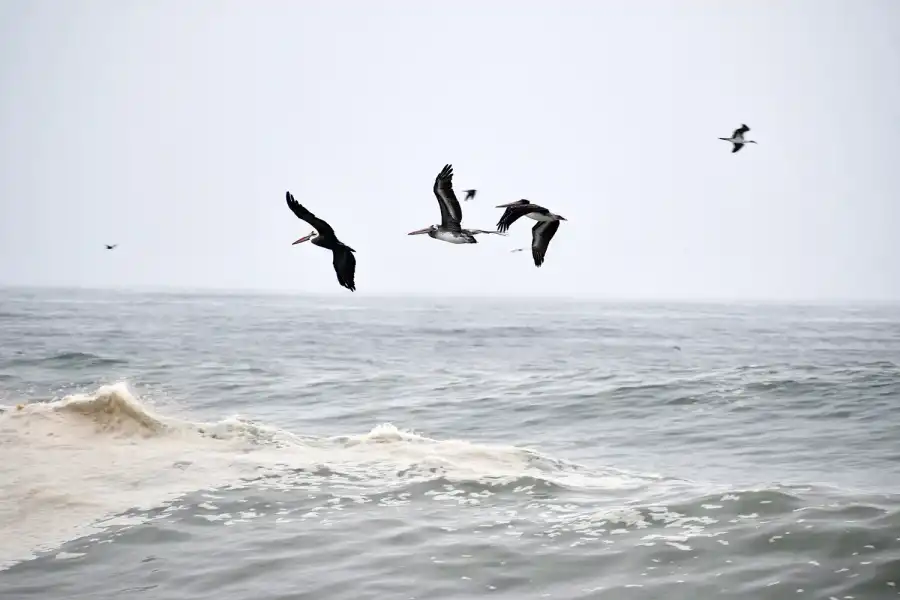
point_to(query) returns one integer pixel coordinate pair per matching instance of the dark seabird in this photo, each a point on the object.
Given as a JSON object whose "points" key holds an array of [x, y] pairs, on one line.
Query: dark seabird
{"points": [[470, 194], [342, 254], [542, 232], [737, 138], [524, 208], [450, 230], [110, 247]]}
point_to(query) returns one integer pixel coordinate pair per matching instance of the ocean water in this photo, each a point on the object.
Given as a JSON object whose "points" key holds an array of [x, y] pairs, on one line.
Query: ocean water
{"points": [[188, 446]]}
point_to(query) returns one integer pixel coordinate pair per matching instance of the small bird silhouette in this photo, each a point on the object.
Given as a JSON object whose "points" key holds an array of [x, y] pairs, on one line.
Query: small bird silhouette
{"points": [[470, 194], [108, 247]]}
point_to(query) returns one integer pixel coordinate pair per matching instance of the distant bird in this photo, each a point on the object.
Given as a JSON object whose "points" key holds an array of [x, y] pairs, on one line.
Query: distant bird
{"points": [[342, 254], [517, 249], [737, 138], [450, 229], [541, 233], [470, 194], [108, 247]]}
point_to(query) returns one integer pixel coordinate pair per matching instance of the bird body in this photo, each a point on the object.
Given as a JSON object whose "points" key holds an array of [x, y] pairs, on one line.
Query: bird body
{"points": [[324, 237], [539, 216], [452, 237]]}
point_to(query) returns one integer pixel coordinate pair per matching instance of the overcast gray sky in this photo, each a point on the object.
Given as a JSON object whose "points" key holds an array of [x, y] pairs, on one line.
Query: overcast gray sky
{"points": [[175, 128]]}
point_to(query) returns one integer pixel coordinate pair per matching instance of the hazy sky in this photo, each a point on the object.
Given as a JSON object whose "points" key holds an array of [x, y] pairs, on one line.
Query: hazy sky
{"points": [[175, 128]]}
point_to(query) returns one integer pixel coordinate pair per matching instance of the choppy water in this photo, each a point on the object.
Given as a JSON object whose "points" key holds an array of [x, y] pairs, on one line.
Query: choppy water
{"points": [[243, 447]]}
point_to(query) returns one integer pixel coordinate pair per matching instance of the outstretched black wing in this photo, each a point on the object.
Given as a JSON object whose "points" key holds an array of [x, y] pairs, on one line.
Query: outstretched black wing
{"points": [[736, 148], [345, 267], [451, 213], [541, 234], [324, 229], [740, 131], [514, 212]]}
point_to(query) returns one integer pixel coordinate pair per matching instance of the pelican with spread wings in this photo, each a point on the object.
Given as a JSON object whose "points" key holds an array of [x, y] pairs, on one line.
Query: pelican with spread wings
{"points": [[450, 230], [737, 138], [323, 236], [542, 232]]}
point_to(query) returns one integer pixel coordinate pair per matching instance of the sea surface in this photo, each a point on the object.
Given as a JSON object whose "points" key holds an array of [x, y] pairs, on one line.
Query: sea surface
{"points": [[227, 447]]}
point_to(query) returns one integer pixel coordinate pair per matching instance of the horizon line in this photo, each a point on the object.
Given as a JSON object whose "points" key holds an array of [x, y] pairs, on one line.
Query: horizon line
{"points": [[623, 299]]}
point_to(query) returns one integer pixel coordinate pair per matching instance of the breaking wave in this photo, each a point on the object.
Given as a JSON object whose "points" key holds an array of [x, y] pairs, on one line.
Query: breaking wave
{"points": [[74, 463]]}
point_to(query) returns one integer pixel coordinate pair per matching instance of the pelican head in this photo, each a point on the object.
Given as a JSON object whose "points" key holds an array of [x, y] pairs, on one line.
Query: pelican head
{"points": [[517, 202], [558, 217], [306, 238], [428, 229]]}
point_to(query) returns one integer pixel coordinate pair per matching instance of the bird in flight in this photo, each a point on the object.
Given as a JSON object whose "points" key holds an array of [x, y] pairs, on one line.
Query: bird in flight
{"points": [[323, 236], [450, 230], [542, 232], [110, 246], [737, 138], [470, 194]]}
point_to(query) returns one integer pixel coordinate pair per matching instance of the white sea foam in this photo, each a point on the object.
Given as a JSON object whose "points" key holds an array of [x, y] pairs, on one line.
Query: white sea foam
{"points": [[71, 465]]}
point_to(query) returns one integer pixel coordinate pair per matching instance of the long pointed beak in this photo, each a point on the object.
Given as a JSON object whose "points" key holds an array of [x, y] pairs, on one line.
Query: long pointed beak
{"points": [[505, 205], [419, 231], [303, 239], [561, 218]]}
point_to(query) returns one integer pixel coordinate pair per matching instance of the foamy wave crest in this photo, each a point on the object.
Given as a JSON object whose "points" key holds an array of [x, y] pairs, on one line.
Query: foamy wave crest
{"points": [[461, 460], [112, 409], [69, 464], [73, 463]]}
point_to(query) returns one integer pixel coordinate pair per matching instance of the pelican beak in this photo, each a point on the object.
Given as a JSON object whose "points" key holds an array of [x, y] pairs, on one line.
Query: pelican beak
{"points": [[562, 218], [419, 231], [303, 239], [506, 205]]}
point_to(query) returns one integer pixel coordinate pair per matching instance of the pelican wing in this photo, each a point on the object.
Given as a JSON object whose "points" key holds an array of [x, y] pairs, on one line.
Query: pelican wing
{"points": [[345, 267], [739, 132], [736, 148], [323, 228], [451, 213], [513, 213], [541, 234], [474, 231]]}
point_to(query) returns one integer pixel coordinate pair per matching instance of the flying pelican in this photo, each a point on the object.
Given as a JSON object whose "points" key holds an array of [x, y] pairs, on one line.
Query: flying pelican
{"points": [[343, 259], [470, 194], [542, 232], [524, 208], [450, 229], [737, 138], [110, 247]]}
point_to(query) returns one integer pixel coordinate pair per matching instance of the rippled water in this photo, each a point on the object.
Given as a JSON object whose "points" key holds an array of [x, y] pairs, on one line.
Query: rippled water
{"points": [[230, 447]]}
